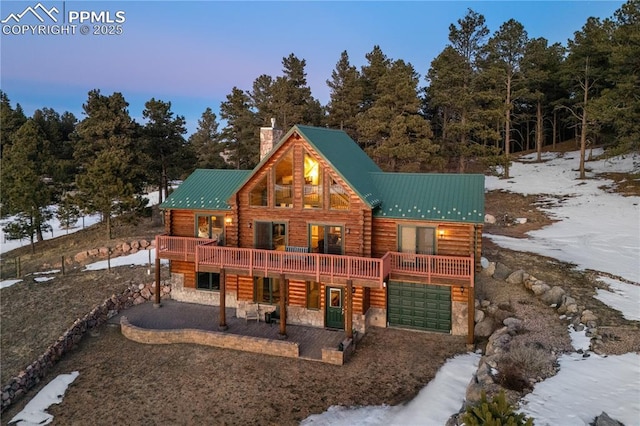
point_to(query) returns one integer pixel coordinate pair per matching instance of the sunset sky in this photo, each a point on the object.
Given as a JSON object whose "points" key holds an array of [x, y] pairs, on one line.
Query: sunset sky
{"points": [[192, 53]]}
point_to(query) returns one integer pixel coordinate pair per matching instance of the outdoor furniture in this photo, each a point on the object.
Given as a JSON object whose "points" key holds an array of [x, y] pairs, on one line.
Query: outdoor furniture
{"points": [[252, 312]]}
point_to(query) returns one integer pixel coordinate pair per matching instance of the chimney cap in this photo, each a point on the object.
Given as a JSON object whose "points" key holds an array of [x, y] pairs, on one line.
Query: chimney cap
{"points": [[273, 122]]}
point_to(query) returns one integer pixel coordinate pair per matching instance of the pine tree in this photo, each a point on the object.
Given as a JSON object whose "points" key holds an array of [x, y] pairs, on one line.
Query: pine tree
{"points": [[505, 50], [399, 137], [24, 186], [240, 134], [107, 150], [10, 121], [345, 98], [618, 105], [164, 142], [206, 144]]}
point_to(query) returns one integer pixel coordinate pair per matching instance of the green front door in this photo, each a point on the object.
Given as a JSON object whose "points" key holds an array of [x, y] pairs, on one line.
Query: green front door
{"points": [[335, 314], [421, 306]]}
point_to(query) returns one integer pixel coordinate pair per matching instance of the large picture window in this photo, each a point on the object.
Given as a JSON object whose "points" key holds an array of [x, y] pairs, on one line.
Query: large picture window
{"points": [[270, 235], [312, 183], [267, 290], [212, 227], [258, 195], [417, 240], [338, 196], [284, 181]]}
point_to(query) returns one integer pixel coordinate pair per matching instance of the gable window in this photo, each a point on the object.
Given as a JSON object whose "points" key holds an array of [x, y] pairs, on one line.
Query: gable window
{"points": [[208, 281], [417, 240], [313, 295], [270, 235], [210, 227], [312, 183], [326, 239], [266, 290], [284, 181], [338, 196], [258, 195]]}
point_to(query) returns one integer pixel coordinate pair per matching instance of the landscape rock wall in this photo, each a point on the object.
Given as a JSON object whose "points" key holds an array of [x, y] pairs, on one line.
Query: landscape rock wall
{"points": [[135, 294]]}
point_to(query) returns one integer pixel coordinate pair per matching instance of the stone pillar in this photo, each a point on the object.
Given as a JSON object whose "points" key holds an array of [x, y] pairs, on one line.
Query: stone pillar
{"points": [[471, 311]]}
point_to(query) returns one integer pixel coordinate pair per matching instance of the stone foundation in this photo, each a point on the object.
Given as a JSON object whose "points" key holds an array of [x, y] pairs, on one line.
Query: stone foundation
{"points": [[202, 297], [459, 318]]}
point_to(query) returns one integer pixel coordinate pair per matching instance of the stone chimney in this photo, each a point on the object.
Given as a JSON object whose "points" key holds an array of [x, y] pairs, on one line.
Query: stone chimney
{"points": [[269, 136]]}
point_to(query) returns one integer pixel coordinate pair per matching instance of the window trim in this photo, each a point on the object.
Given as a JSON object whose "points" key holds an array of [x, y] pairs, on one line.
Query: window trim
{"points": [[211, 281], [415, 227]]}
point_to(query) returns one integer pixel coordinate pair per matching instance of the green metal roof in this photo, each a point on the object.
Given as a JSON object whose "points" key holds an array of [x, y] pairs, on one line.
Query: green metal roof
{"points": [[346, 157], [207, 189], [447, 197]]}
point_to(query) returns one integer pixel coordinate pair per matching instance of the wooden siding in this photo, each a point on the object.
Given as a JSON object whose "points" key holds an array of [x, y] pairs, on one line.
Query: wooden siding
{"points": [[356, 221], [187, 269], [458, 239], [378, 298], [245, 288], [297, 294], [459, 296]]}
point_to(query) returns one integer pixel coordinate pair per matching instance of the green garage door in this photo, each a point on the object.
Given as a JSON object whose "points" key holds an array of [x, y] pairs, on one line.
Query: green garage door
{"points": [[425, 307]]}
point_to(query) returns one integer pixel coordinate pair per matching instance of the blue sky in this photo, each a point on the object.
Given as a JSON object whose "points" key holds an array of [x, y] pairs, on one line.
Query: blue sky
{"points": [[192, 53]]}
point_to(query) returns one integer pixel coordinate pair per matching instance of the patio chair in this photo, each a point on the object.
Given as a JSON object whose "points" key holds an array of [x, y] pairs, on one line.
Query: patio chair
{"points": [[252, 312]]}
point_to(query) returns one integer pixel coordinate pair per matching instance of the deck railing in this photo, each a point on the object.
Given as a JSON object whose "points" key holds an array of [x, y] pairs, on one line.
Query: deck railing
{"points": [[315, 265], [426, 265]]}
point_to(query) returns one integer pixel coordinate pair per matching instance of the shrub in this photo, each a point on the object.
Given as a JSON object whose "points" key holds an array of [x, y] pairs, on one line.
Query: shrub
{"points": [[523, 361], [495, 413]]}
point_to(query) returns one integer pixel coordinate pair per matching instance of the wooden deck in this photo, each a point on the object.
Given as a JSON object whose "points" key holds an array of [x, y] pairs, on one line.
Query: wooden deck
{"points": [[333, 269]]}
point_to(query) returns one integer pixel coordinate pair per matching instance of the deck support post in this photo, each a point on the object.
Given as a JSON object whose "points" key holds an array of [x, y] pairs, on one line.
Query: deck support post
{"points": [[283, 306], [471, 312], [223, 299], [349, 310], [157, 303]]}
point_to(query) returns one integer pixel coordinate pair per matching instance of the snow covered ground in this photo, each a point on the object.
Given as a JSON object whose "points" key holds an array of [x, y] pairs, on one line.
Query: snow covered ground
{"points": [[596, 230]]}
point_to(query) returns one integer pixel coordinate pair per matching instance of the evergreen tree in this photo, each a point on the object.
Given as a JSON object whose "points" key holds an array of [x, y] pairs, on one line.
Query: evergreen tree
{"points": [[206, 144], [453, 92], [377, 66], [10, 121], [164, 143], [400, 138], [240, 134], [587, 69], [24, 186], [619, 103], [60, 166], [345, 98], [505, 50], [110, 177], [540, 66]]}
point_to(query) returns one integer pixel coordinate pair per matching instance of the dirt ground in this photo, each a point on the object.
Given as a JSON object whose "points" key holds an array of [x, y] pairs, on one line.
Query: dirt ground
{"points": [[123, 382]]}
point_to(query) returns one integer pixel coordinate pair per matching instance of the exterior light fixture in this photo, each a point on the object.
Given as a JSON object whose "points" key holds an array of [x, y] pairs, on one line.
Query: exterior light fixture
{"points": [[441, 233]]}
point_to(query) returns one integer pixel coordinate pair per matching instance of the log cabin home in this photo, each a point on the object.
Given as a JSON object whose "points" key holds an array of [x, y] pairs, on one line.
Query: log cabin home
{"points": [[318, 235]]}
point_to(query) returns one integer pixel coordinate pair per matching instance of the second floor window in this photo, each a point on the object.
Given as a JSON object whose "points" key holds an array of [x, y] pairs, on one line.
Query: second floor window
{"points": [[270, 236], [417, 240], [283, 177], [312, 183], [210, 227], [258, 195], [326, 239]]}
